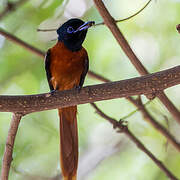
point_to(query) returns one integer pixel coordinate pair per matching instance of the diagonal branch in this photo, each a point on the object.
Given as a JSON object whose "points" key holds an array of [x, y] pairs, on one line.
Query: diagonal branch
{"points": [[124, 129], [18, 41], [129, 17], [111, 24], [149, 84], [7, 158]]}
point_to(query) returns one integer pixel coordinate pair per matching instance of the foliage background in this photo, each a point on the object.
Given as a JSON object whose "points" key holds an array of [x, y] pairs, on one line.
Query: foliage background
{"points": [[104, 154]]}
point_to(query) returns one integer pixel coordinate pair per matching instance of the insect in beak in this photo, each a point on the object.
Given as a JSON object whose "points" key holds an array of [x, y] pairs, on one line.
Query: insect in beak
{"points": [[85, 26]]}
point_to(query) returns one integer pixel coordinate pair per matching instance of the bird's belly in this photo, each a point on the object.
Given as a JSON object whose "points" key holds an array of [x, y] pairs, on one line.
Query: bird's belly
{"points": [[66, 74]]}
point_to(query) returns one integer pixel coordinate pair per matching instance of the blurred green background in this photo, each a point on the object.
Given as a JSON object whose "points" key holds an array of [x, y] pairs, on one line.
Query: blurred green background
{"points": [[104, 154]]}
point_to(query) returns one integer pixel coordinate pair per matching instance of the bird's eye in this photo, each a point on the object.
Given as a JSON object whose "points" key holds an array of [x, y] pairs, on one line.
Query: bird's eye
{"points": [[70, 30]]}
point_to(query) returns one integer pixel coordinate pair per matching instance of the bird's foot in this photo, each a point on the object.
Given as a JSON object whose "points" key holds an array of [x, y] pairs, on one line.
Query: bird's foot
{"points": [[78, 88], [53, 91]]}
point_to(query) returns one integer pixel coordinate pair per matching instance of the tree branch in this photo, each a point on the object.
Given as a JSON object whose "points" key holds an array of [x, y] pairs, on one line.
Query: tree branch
{"points": [[124, 129], [7, 158], [111, 24], [18, 41], [149, 84]]}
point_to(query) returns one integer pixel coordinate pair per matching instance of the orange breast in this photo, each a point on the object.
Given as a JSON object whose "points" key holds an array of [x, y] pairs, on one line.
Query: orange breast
{"points": [[66, 66]]}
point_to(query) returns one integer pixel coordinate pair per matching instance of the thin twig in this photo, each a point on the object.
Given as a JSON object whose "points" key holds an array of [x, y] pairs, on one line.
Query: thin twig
{"points": [[10, 7], [111, 24], [124, 129], [7, 158], [46, 30], [136, 110], [125, 19], [102, 23]]}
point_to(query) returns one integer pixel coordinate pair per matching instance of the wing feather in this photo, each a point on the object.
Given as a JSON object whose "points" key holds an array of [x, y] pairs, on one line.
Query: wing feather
{"points": [[47, 68]]}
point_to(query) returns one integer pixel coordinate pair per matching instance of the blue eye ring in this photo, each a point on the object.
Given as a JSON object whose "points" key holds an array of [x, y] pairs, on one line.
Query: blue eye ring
{"points": [[70, 30]]}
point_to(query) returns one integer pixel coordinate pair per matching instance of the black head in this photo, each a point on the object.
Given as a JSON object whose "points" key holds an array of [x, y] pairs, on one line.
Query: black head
{"points": [[73, 33]]}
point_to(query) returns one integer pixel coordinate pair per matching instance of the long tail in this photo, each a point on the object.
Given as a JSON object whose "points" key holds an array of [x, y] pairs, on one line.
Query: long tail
{"points": [[68, 142]]}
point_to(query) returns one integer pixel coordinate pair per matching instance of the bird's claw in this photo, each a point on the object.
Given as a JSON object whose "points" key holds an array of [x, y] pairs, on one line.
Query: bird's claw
{"points": [[53, 91], [78, 88]]}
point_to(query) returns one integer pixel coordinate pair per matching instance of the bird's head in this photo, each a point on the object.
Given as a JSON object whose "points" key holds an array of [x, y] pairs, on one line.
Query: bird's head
{"points": [[73, 32]]}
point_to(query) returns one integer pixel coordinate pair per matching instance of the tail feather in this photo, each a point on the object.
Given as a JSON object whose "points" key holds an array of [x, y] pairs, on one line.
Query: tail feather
{"points": [[68, 142]]}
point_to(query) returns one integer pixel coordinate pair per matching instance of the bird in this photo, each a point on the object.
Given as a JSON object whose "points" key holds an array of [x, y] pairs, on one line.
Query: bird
{"points": [[66, 65]]}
